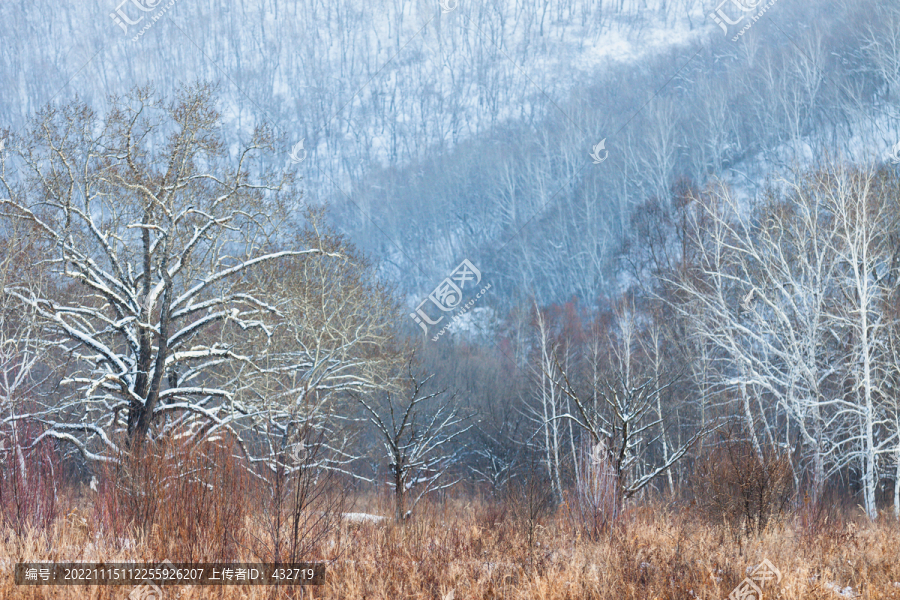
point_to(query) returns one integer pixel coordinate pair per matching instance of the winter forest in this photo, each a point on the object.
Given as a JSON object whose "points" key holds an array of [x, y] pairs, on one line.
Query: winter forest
{"points": [[455, 299]]}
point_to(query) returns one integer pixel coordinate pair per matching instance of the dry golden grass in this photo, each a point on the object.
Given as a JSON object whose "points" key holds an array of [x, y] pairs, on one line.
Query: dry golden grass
{"points": [[477, 550]]}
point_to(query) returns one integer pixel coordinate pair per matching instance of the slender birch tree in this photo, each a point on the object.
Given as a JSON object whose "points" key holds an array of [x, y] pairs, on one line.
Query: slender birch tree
{"points": [[860, 214], [760, 297]]}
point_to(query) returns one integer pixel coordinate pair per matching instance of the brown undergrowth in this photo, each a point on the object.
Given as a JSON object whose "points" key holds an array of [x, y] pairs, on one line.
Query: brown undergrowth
{"points": [[472, 548]]}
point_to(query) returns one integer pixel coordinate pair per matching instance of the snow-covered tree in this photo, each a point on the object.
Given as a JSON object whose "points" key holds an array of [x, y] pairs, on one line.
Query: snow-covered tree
{"points": [[760, 296], [624, 421], [791, 293], [336, 337], [417, 432], [861, 215], [159, 245]]}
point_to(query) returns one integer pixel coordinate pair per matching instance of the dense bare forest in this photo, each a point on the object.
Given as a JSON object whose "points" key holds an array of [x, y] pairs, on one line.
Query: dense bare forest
{"points": [[512, 299]]}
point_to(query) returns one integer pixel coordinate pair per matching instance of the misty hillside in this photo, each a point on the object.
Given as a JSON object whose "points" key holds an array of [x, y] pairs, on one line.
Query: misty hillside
{"points": [[439, 135]]}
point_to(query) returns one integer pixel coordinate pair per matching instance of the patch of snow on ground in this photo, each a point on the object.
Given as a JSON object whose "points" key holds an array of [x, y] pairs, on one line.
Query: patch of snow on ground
{"points": [[846, 592], [362, 518]]}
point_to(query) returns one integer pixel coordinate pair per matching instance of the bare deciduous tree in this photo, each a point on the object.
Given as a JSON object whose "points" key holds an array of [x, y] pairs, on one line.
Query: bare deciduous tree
{"points": [[551, 404], [860, 213], [336, 338], [791, 294], [760, 297], [417, 438], [156, 229], [625, 423]]}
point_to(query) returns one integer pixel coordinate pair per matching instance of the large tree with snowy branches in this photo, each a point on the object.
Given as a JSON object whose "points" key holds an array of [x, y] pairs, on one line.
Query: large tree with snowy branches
{"points": [[162, 244]]}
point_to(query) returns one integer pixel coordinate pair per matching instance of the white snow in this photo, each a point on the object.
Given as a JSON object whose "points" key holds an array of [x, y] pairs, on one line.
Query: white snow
{"points": [[358, 517]]}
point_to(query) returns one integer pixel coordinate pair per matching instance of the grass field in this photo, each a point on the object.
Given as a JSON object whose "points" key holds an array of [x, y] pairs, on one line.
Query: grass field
{"points": [[483, 549]]}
